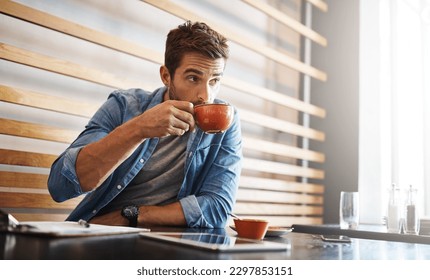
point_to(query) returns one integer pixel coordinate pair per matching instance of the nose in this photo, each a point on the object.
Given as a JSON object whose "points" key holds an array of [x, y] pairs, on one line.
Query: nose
{"points": [[205, 95]]}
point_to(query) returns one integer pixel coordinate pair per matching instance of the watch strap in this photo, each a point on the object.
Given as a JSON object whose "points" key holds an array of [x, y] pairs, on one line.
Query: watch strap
{"points": [[132, 222]]}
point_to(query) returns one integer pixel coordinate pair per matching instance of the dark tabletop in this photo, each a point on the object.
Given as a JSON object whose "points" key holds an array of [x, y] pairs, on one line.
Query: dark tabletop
{"points": [[302, 246]]}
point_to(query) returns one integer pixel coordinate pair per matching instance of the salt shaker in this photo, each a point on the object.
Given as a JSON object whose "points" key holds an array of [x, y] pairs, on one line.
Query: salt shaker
{"points": [[394, 213], [412, 221]]}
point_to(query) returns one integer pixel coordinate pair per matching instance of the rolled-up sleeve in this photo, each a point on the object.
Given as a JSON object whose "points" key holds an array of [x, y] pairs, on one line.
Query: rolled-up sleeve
{"points": [[63, 182], [193, 213]]}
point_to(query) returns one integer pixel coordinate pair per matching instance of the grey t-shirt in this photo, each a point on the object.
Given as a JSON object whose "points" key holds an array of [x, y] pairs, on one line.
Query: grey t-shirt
{"points": [[160, 179]]}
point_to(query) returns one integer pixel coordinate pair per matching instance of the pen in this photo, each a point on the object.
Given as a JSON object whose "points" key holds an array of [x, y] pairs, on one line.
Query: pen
{"points": [[83, 223]]}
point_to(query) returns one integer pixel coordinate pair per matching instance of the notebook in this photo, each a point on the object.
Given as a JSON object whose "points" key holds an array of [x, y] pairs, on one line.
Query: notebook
{"points": [[9, 224]]}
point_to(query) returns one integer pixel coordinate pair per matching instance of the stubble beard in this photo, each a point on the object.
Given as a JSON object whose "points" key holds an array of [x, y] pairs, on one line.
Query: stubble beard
{"points": [[172, 92]]}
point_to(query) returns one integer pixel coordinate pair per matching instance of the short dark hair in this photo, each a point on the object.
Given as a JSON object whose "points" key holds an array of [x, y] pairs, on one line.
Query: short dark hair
{"points": [[195, 37]]}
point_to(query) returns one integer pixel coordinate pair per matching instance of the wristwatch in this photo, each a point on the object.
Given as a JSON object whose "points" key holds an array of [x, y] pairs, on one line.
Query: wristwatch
{"points": [[130, 212]]}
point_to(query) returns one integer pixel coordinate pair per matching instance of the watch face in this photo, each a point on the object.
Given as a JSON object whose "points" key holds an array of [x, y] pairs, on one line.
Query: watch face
{"points": [[130, 211]]}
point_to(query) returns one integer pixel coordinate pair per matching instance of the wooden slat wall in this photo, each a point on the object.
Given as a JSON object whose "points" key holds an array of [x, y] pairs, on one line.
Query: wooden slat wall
{"points": [[271, 53], [270, 186], [24, 195], [290, 22]]}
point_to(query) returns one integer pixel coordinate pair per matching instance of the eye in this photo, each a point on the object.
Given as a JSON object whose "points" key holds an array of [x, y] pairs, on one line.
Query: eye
{"points": [[215, 81], [192, 78]]}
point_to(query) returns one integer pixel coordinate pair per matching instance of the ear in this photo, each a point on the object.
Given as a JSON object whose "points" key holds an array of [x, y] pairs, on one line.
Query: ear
{"points": [[164, 75]]}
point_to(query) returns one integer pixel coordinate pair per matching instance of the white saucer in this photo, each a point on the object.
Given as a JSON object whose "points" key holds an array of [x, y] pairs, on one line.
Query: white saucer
{"points": [[273, 231]]}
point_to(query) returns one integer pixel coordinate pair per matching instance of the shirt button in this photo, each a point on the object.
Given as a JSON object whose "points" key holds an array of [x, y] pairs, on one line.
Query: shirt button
{"points": [[141, 160], [94, 211], [190, 154], [119, 187]]}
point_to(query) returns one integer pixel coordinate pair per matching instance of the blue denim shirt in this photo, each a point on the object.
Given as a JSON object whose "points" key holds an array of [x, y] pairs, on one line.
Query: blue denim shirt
{"points": [[212, 166]]}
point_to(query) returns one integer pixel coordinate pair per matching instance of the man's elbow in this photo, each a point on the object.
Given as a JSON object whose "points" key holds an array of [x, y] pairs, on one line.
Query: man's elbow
{"points": [[60, 188]]}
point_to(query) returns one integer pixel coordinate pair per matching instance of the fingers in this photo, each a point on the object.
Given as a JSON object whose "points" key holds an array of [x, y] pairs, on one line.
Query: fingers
{"points": [[183, 115], [182, 105], [176, 126], [171, 117]]}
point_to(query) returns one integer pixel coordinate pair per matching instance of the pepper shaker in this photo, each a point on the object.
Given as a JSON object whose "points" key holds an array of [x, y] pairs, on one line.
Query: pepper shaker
{"points": [[412, 221]]}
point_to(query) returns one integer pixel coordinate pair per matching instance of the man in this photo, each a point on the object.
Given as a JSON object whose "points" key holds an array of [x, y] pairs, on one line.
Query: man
{"points": [[142, 161]]}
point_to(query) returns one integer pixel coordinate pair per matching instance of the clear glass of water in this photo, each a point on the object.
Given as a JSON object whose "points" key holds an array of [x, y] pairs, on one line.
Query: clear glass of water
{"points": [[349, 210], [394, 211]]}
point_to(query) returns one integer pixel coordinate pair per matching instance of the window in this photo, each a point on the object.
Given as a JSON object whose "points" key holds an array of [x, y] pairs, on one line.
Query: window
{"points": [[394, 101]]}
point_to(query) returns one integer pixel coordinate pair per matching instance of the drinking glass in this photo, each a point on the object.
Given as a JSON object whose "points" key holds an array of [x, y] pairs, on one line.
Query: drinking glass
{"points": [[394, 211], [349, 210]]}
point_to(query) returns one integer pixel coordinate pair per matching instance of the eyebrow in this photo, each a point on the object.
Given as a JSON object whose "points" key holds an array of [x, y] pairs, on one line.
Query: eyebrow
{"points": [[196, 71]]}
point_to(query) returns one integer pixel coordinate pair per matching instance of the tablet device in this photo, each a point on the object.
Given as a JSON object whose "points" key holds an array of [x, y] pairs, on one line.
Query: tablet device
{"points": [[215, 242]]}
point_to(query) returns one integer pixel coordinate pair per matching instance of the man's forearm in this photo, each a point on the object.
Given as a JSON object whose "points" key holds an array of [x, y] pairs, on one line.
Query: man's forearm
{"points": [[166, 215], [170, 214], [98, 160]]}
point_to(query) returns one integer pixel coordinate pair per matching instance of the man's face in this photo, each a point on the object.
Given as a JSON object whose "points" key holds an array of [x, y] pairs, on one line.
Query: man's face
{"points": [[197, 79]]}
